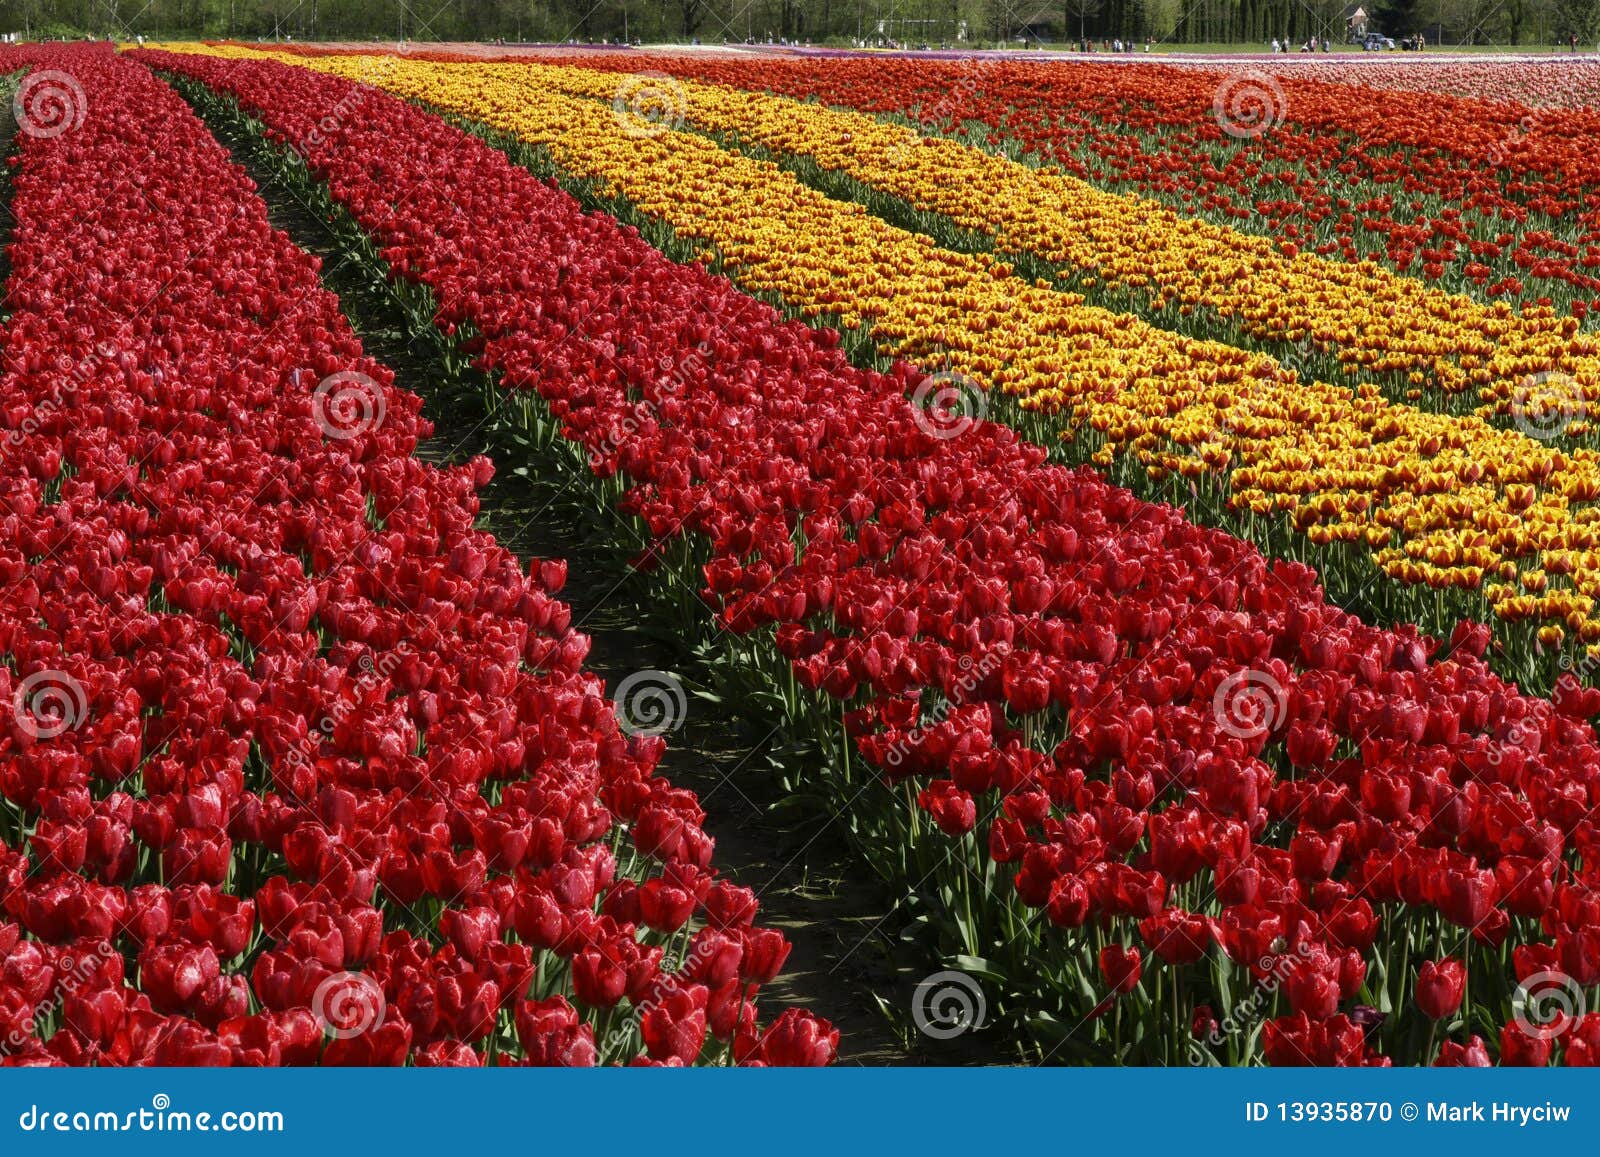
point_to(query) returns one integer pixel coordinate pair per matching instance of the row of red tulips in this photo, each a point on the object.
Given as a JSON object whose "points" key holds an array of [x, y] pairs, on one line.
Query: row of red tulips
{"points": [[1139, 728], [1488, 197], [295, 764]]}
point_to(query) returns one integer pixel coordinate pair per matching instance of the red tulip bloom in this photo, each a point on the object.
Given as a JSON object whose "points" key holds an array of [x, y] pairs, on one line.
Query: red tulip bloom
{"points": [[1120, 966], [1474, 1054], [1312, 984], [1440, 988], [1522, 1048], [551, 1034], [798, 1039], [676, 1026]]}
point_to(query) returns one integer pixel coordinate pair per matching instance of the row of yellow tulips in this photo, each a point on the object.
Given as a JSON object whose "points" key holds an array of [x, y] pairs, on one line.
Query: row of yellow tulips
{"points": [[1372, 320], [1442, 500]]}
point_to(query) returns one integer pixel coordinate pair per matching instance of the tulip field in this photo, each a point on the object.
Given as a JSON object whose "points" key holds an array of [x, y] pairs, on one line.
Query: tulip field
{"points": [[1158, 504]]}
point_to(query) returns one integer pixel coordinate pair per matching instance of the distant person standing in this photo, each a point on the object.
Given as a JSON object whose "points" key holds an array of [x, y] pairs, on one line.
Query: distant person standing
{"points": [[1574, 42]]}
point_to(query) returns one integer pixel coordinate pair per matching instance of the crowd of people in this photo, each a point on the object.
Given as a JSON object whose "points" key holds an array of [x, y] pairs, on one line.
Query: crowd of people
{"points": [[1116, 45], [1311, 45]]}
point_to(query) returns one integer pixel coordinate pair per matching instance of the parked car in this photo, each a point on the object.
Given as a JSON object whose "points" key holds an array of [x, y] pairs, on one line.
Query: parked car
{"points": [[1376, 43]]}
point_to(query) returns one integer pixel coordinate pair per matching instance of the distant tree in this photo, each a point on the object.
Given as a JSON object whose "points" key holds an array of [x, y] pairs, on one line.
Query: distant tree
{"points": [[1580, 18], [1397, 17], [1082, 11]]}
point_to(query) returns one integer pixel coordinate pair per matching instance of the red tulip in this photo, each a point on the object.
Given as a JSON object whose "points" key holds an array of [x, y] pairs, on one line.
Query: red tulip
{"points": [[1440, 987], [798, 1039], [1520, 1047], [1120, 966]]}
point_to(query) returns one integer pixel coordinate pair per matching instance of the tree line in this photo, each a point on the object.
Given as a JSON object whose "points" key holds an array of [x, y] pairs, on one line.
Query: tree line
{"points": [[912, 23]]}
